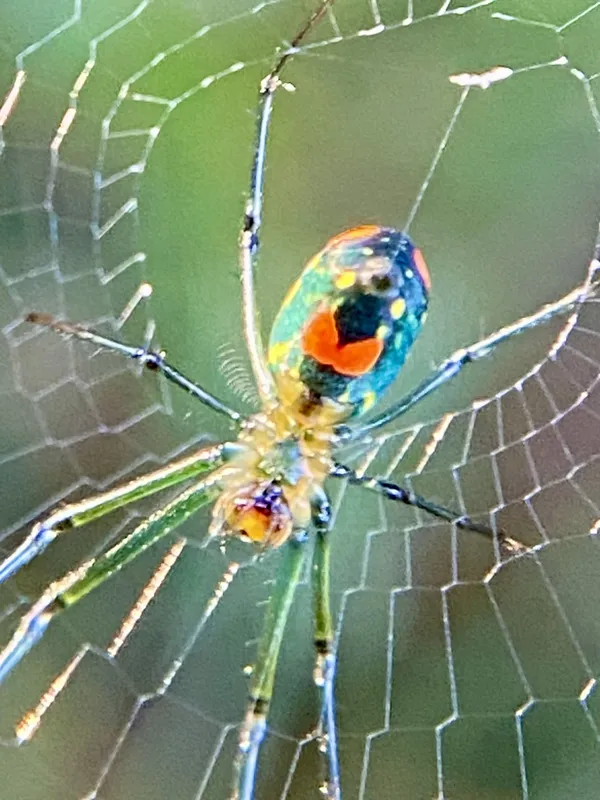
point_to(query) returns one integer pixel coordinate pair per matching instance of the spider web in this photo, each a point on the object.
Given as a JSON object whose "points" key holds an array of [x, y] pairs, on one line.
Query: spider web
{"points": [[125, 145]]}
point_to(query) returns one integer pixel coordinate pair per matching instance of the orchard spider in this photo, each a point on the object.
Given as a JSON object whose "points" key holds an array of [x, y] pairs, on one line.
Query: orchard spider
{"points": [[339, 340]]}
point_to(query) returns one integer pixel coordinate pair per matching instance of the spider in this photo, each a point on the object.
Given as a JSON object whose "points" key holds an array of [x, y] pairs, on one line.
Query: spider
{"points": [[338, 342]]}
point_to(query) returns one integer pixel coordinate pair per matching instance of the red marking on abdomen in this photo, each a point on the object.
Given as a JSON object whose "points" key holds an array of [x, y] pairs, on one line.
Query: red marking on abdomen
{"points": [[321, 341], [422, 267]]}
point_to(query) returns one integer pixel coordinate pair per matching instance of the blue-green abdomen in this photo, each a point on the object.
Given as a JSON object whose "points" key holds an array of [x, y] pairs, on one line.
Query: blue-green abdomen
{"points": [[344, 330]]}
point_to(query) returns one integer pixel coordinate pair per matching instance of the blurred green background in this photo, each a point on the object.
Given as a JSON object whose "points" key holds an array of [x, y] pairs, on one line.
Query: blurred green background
{"points": [[450, 684]]}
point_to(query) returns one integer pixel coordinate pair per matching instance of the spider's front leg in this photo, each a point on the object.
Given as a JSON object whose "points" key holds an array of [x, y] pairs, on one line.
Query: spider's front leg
{"points": [[70, 589], [324, 673], [254, 725], [78, 514]]}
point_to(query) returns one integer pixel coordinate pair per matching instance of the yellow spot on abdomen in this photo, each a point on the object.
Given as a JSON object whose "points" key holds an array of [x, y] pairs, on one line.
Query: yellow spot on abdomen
{"points": [[398, 308], [353, 234], [369, 401], [345, 279], [278, 351]]}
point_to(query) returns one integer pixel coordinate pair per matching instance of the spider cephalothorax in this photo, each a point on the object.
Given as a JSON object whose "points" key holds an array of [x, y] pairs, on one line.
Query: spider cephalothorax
{"points": [[258, 512], [287, 451]]}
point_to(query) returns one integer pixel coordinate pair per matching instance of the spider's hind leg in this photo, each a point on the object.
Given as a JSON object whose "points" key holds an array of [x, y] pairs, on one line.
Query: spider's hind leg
{"points": [[468, 355], [151, 359], [249, 235]]}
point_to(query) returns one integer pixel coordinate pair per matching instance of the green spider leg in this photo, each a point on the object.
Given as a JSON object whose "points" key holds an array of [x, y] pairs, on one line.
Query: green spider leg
{"points": [[254, 725], [453, 365], [72, 587], [249, 236], [77, 514], [325, 663]]}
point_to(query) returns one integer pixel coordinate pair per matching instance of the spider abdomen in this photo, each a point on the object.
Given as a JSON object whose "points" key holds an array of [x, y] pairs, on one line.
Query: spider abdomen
{"points": [[347, 324]]}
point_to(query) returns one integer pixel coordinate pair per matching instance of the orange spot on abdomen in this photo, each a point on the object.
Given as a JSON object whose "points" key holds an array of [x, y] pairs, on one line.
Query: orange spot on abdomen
{"points": [[321, 341], [353, 235]]}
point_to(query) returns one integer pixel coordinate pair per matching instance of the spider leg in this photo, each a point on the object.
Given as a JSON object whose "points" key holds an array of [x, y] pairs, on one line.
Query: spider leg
{"points": [[249, 236], [72, 587], [391, 491], [453, 365], [254, 725], [148, 358], [80, 513], [324, 672]]}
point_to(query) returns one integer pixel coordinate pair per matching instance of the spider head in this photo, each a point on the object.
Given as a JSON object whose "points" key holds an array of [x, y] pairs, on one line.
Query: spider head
{"points": [[257, 512]]}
